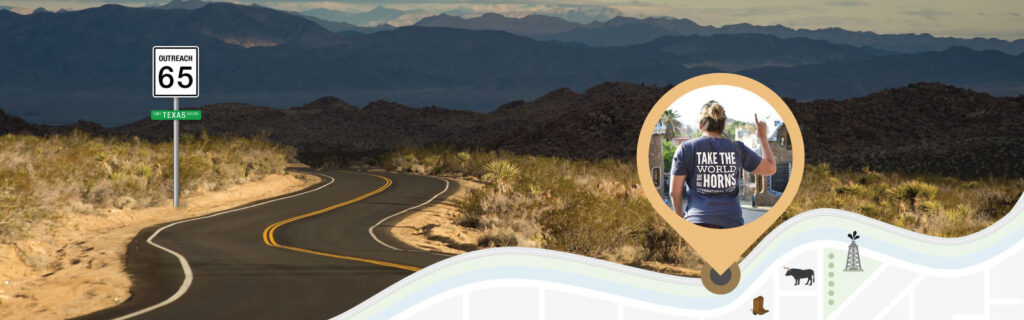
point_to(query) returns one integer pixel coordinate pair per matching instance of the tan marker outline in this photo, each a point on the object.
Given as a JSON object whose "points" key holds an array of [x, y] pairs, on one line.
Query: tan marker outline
{"points": [[720, 248]]}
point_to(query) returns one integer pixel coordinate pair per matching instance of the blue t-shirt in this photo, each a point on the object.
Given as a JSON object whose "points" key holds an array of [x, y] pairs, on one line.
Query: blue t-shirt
{"points": [[712, 169]]}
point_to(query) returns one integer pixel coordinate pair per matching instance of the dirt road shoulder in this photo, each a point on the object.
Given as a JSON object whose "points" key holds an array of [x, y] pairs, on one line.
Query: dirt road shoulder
{"points": [[75, 265], [433, 228]]}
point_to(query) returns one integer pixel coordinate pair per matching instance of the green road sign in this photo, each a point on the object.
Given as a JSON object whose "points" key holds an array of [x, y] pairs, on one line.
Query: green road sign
{"points": [[176, 115]]}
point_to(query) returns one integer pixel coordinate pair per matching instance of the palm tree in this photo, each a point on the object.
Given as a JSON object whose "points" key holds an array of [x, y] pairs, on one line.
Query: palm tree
{"points": [[673, 128]]}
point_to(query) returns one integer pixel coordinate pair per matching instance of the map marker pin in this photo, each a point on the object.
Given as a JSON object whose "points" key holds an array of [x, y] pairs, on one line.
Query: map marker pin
{"points": [[721, 249]]}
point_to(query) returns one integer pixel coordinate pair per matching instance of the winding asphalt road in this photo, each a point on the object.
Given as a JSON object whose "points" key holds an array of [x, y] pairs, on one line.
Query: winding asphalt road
{"points": [[306, 255]]}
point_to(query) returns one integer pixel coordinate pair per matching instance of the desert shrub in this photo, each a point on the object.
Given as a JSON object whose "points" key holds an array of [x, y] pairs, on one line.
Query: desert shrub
{"points": [[502, 173], [931, 204], [498, 238], [46, 177], [854, 189], [869, 177], [995, 204], [19, 205], [959, 213], [464, 160], [907, 221], [592, 208], [626, 254], [596, 208], [466, 219], [910, 192]]}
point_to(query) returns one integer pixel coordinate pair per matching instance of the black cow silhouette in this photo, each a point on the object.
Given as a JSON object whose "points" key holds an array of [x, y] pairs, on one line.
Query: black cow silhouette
{"points": [[799, 274]]}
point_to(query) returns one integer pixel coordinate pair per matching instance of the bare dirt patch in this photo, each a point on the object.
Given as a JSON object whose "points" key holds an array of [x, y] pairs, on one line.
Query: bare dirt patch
{"points": [[669, 269], [75, 265], [432, 228]]}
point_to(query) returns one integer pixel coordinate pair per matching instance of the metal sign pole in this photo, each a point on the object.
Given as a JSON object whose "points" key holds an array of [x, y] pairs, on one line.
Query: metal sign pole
{"points": [[175, 75], [175, 155]]}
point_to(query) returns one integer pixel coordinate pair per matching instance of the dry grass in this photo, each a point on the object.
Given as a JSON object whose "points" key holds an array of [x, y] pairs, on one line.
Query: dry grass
{"points": [[929, 204], [42, 178], [592, 208], [595, 208]]}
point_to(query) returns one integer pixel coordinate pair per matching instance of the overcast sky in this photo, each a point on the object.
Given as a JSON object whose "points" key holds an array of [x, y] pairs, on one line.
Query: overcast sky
{"points": [[985, 18], [739, 104]]}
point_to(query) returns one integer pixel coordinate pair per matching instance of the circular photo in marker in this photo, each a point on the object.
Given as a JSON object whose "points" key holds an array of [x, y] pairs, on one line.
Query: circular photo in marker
{"points": [[720, 156]]}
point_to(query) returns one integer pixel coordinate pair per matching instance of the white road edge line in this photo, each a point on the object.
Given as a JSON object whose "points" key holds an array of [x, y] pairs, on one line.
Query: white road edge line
{"points": [[187, 282], [899, 297], [374, 226]]}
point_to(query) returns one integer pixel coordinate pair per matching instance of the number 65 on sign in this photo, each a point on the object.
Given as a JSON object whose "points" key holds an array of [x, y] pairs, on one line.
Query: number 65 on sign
{"points": [[175, 72]]}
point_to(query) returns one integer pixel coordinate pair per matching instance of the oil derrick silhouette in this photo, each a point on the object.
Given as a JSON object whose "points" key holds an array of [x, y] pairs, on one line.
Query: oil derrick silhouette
{"points": [[853, 255]]}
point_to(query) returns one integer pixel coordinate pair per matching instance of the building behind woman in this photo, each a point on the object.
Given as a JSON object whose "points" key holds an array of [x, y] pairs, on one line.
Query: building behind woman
{"points": [[710, 168]]}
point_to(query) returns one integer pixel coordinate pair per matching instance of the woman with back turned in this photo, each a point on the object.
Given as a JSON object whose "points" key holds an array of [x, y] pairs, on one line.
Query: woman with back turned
{"points": [[710, 167]]}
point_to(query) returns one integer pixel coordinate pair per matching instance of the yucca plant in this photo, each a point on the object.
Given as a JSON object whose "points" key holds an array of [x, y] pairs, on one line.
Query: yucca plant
{"points": [[502, 173], [912, 190], [464, 159]]}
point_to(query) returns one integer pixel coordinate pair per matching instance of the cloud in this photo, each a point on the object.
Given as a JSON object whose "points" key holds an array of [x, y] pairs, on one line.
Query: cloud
{"points": [[816, 22], [846, 3], [763, 11], [927, 13], [1014, 14], [414, 12]]}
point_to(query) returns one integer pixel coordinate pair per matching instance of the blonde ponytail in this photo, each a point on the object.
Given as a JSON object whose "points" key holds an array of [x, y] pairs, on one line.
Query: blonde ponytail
{"points": [[712, 117]]}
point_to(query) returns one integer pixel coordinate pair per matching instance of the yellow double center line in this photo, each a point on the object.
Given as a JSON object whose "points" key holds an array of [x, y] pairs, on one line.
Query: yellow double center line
{"points": [[268, 233]]}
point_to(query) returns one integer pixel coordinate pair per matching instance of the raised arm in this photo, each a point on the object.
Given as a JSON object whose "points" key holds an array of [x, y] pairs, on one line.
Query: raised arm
{"points": [[767, 166]]}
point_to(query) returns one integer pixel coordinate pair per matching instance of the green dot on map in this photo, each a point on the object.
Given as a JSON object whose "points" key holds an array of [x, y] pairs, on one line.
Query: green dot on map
{"points": [[831, 265], [831, 293], [831, 255], [831, 274], [831, 302], [831, 283]]}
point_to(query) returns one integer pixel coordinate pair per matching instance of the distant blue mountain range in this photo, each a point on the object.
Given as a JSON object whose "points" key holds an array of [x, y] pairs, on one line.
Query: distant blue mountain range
{"points": [[94, 64], [622, 31], [376, 16]]}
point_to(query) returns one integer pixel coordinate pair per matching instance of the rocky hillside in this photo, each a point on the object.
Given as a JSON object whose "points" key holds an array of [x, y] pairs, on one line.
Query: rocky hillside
{"points": [[598, 123], [924, 127]]}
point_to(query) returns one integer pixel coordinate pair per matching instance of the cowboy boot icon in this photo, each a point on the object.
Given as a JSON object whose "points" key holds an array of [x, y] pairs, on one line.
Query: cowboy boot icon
{"points": [[759, 306]]}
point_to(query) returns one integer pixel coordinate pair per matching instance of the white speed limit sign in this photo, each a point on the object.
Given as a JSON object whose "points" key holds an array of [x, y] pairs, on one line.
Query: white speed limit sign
{"points": [[175, 71]]}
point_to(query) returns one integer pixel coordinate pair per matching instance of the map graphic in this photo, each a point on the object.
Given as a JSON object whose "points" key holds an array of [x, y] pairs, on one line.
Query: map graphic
{"points": [[903, 275]]}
